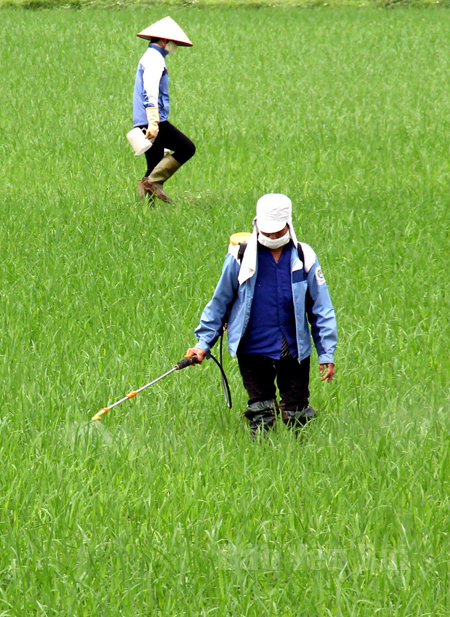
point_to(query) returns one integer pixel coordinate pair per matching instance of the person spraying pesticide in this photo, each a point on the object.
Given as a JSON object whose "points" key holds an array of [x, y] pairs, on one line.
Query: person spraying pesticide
{"points": [[272, 294], [151, 106]]}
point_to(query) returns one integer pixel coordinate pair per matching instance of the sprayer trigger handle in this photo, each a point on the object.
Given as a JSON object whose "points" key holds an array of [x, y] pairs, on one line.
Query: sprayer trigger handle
{"points": [[187, 362]]}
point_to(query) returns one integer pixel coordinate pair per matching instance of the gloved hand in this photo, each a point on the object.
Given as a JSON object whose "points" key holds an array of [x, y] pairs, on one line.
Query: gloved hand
{"points": [[153, 123]]}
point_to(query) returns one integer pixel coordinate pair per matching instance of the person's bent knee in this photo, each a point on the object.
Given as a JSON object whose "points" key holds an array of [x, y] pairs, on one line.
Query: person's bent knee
{"points": [[190, 150], [182, 155]]}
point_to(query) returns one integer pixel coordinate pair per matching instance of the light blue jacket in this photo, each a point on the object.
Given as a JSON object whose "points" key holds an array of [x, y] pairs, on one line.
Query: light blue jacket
{"points": [[312, 307], [151, 86]]}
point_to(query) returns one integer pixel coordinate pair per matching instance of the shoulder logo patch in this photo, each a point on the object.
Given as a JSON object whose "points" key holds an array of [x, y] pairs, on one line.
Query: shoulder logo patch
{"points": [[319, 276]]}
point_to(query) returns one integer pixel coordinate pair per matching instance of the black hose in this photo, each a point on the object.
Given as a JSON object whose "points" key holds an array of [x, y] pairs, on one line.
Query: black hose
{"points": [[225, 385]]}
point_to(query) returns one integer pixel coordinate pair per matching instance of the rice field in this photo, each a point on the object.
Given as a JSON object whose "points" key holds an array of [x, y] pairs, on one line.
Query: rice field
{"points": [[167, 508]]}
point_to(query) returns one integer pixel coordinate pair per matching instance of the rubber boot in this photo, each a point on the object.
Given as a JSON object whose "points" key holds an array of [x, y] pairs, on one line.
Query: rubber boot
{"points": [[298, 419], [142, 192], [261, 416], [165, 169]]}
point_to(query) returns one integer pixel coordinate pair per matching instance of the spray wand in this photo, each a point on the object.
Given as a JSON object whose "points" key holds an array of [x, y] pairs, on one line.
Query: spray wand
{"points": [[178, 366]]}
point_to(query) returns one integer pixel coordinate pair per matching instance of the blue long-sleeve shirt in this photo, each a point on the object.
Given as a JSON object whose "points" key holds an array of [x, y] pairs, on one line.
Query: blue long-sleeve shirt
{"points": [[151, 86]]}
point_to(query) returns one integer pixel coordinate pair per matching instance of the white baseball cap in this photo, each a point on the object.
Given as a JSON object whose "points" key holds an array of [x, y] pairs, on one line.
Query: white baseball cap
{"points": [[273, 211]]}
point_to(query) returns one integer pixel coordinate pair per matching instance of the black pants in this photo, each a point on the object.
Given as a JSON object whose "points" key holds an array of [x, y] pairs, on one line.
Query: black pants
{"points": [[171, 138], [259, 374]]}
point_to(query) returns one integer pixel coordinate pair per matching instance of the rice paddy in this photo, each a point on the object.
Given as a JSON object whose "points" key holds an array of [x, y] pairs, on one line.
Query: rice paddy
{"points": [[167, 507]]}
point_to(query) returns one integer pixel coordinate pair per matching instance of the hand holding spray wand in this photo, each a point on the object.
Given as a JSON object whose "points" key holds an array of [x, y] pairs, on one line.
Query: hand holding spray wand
{"points": [[181, 364]]}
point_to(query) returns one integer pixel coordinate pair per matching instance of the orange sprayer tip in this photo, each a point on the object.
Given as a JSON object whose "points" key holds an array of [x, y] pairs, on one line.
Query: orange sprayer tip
{"points": [[98, 415]]}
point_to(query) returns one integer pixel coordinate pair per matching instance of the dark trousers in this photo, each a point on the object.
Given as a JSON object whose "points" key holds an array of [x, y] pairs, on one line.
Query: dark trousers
{"points": [[260, 372], [171, 138]]}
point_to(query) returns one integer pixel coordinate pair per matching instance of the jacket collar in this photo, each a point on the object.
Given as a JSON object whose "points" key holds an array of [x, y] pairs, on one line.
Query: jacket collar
{"points": [[162, 51]]}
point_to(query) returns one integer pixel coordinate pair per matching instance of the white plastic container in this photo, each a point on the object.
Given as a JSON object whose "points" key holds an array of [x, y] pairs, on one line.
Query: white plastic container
{"points": [[138, 142]]}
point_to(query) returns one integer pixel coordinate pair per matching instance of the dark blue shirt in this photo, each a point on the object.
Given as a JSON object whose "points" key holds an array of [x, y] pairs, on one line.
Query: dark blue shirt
{"points": [[272, 313]]}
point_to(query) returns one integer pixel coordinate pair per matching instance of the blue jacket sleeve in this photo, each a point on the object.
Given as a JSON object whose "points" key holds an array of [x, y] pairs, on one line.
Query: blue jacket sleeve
{"points": [[321, 315], [214, 313]]}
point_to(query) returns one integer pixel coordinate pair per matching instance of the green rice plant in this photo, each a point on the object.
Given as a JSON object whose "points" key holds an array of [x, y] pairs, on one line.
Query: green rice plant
{"points": [[167, 508]]}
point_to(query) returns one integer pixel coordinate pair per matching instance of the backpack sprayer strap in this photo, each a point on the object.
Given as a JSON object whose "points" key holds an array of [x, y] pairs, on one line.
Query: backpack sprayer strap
{"points": [[241, 251]]}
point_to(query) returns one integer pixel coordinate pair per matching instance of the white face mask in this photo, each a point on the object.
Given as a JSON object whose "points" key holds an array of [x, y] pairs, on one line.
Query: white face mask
{"points": [[274, 243], [171, 47]]}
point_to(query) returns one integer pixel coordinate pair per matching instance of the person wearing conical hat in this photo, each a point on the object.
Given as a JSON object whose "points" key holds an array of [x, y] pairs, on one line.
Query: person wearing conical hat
{"points": [[151, 106], [273, 296]]}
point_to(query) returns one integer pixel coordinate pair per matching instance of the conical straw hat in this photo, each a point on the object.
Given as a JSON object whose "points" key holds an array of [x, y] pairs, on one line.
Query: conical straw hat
{"points": [[166, 28]]}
